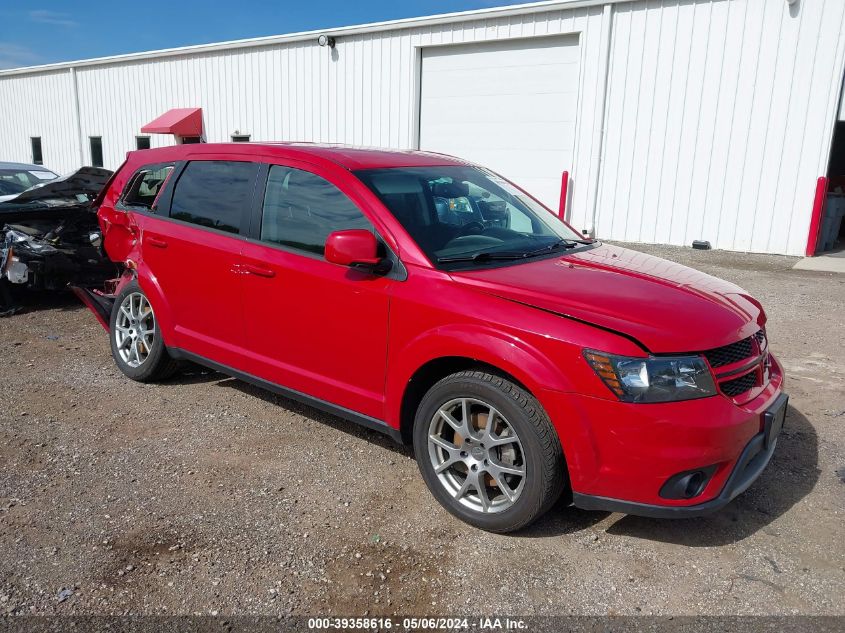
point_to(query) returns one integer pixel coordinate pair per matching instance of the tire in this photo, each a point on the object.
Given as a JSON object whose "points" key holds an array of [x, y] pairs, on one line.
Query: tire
{"points": [[136, 342], [522, 440]]}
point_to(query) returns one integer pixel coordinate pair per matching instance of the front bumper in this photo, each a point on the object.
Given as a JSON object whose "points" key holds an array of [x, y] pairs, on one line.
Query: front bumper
{"points": [[750, 464], [620, 455]]}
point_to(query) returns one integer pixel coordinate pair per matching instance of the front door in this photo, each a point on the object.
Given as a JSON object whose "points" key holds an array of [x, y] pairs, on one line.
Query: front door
{"points": [[312, 326]]}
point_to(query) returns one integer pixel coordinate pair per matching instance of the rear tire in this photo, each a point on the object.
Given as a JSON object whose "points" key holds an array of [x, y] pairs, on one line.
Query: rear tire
{"points": [[517, 459], [136, 343]]}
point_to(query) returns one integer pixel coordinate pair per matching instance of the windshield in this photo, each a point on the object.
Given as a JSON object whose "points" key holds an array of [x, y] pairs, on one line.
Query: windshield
{"points": [[14, 181], [467, 215]]}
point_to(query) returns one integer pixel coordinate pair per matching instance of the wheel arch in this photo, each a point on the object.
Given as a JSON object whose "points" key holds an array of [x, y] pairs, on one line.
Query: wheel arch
{"points": [[155, 295], [444, 350], [426, 376]]}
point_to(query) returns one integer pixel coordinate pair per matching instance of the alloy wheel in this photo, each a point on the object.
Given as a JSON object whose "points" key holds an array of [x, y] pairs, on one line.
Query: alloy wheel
{"points": [[476, 455], [135, 329]]}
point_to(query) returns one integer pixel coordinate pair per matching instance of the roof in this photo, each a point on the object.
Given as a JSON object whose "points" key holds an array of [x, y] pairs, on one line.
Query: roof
{"points": [[26, 166], [348, 157], [339, 32], [354, 158]]}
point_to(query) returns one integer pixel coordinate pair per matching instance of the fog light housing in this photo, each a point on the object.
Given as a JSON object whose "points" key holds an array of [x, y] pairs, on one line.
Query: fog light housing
{"points": [[687, 484]]}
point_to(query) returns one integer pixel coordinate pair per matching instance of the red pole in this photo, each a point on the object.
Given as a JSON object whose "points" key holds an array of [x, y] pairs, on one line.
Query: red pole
{"points": [[816, 218], [564, 185]]}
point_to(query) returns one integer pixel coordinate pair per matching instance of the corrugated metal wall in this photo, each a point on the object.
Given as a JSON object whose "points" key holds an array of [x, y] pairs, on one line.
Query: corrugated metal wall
{"points": [[717, 121], [39, 105]]}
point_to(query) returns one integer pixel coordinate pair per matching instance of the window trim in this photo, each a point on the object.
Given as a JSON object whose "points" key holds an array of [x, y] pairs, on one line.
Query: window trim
{"points": [[243, 138], [155, 208], [257, 218], [166, 207], [398, 271], [138, 138]]}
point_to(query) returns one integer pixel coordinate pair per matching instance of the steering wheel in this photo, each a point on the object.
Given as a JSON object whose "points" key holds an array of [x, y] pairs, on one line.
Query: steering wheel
{"points": [[471, 228]]}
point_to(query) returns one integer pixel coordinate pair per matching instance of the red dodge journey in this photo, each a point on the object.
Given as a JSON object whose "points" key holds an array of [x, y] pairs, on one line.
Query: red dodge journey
{"points": [[432, 300]]}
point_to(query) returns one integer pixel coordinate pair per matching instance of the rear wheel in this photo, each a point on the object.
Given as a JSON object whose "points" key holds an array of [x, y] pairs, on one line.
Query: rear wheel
{"points": [[488, 451], [136, 342]]}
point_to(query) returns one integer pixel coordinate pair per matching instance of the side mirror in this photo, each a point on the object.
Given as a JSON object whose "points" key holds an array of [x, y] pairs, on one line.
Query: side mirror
{"points": [[357, 248]]}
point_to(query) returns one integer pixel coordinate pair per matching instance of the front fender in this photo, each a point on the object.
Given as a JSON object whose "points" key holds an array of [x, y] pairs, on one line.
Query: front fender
{"points": [[478, 342]]}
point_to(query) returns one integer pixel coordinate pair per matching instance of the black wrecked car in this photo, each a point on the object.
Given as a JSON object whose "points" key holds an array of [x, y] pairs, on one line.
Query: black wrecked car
{"points": [[49, 237]]}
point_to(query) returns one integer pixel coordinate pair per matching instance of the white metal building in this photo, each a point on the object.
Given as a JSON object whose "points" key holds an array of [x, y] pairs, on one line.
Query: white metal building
{"points": [[677, 120]]}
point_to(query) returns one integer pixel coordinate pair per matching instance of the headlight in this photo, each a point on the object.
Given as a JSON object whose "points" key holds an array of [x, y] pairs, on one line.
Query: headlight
{"points": [[653, 379]]}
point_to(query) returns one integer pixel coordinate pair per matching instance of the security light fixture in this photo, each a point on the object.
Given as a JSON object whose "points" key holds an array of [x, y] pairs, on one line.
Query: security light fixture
{"points": [[326, 40]]}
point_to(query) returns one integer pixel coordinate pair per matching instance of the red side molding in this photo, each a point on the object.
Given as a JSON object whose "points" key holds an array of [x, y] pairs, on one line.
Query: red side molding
{"points": [[564, 186], [816, 219]]}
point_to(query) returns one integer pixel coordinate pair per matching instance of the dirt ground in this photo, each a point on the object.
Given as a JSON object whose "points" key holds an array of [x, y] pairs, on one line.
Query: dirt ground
{"points": [[206, 495]]}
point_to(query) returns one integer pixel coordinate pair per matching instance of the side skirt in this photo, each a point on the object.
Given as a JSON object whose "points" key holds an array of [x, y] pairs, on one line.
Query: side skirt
{"points": [[100, 304], [317, 403]]}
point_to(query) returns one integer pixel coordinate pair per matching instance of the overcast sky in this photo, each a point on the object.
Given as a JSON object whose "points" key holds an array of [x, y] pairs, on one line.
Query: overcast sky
{"points": [[53, 31]]}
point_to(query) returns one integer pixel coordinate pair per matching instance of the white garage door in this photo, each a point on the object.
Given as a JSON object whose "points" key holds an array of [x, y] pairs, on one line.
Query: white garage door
{"points": [[507, 105]]}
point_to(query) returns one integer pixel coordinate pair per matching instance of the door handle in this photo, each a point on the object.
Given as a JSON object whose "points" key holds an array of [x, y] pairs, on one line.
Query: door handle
{"points": [[257, 270], [154, 241]]}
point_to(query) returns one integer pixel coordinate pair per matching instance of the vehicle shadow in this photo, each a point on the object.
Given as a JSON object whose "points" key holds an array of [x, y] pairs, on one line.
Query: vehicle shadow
{"points": [[192, 374], [790, 476], [561, 520], [17, 301], [294, 406]]}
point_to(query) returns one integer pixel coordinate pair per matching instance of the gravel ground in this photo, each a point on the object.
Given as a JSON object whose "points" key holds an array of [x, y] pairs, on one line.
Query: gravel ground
{"points": [[206, 495]]}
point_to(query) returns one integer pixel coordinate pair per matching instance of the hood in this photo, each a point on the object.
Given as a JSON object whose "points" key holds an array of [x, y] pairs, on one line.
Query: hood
{"points": [[667, 307], [80, 186]]}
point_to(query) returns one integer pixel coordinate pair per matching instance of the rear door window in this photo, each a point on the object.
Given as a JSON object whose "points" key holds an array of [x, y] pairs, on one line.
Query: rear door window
{"points": [[214, 194], [145, 187], [301, 209]]}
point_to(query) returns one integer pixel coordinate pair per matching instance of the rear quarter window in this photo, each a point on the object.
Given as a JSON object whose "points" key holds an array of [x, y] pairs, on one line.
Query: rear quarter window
{"points": [[214, 194], [145, 187]]}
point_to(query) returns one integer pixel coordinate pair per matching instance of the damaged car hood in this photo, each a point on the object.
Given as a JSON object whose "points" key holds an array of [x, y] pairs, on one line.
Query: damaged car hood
{"points": [[79, 187], [61, 199], [667, 307]]}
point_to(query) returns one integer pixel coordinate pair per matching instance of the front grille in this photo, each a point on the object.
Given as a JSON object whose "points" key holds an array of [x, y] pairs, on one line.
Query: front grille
{"points": [[738, 386], [728, 354]]}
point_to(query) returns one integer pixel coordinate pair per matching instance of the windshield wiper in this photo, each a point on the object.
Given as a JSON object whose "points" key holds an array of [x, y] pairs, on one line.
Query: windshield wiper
{"points": [[563, 242], [509, 255], [481, 257]]}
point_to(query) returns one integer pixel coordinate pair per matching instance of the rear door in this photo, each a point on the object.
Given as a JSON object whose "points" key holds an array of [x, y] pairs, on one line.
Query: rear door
{"points": [[191, 249], [315, 327]]}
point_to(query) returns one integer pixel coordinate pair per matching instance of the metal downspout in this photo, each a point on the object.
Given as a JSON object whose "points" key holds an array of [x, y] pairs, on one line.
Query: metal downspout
{"points": [[76, 116], [598, 130]]}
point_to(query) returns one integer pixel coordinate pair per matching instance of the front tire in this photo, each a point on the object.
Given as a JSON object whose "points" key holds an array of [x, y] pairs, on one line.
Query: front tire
{"points": [[488, 452], [136, 342]]}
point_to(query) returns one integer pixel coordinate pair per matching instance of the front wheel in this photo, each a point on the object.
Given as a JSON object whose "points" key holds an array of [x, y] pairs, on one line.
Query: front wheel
{"points": [[136, 342], [488, 451]]}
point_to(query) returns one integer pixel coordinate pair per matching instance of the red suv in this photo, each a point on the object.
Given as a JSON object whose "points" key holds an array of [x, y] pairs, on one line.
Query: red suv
{"points": [[434, 301]]}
